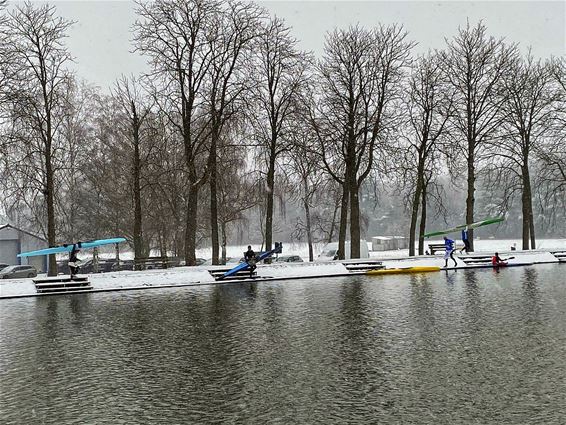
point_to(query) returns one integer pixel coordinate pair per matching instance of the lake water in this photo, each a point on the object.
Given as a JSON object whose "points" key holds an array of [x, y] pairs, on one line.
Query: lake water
{"points": [[465, 347]]}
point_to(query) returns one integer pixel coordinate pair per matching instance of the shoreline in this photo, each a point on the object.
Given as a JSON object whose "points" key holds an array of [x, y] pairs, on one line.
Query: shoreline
{"points": [[202, 275]]}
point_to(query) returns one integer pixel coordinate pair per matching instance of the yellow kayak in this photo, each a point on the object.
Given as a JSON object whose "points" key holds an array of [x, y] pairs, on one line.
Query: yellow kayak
{"points": [[421, 269]]}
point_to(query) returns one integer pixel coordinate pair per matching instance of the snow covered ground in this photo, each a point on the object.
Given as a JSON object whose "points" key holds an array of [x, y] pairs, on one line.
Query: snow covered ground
{"points": [[480, 245], [183, 276], [179, 276], [302, 249]]}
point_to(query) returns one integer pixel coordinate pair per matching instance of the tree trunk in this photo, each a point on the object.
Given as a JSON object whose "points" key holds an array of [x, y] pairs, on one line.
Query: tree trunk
{"points": [[51, 222], [162, 244], [213, 197], [355, 234], [532, 228], [308, 220], [343, 221], [191, 225], [179, 235], [333, 224], [413, 227], [423, 220], [529, 199], [415, 211], [138, 237], [223, 230], [527, 209], [270, 186], [525, 225], [470, 200], [49, 184], [50, 200]]}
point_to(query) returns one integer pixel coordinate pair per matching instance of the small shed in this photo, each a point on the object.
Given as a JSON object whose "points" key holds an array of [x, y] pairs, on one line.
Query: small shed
{"points": [[14, 240], [388, 243]]}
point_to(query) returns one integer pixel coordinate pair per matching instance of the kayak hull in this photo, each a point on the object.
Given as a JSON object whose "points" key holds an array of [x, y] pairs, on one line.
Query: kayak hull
{"points": [[404, 270], [463, 226]]}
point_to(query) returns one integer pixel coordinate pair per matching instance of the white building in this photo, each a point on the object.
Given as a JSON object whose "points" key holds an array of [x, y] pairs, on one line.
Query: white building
{"points": [[388, 243], [14, 240]]}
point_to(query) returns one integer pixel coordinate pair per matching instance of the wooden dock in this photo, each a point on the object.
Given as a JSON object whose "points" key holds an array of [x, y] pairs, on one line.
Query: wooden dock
{"points": [[476, 259], [365, 265], [62, 284], [354, 266]]}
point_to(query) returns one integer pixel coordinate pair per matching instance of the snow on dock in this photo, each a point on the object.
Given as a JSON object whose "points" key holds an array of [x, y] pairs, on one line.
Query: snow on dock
{"points": [[204, 275], [177, 277]]}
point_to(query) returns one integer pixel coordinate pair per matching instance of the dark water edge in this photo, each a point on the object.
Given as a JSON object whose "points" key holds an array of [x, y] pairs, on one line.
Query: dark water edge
{"points": [[466, 347]]}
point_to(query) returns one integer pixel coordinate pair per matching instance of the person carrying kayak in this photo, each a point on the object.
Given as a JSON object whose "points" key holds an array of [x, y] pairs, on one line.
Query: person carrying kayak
{"points": [[449, 251], [74, 261]]}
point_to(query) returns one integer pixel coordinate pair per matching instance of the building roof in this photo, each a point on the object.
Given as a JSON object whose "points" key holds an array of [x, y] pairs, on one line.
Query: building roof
{"points": [[6, 226]]}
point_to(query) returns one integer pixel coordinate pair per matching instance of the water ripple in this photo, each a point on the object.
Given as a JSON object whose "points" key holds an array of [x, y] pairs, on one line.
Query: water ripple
{"points": [[452, 348]]}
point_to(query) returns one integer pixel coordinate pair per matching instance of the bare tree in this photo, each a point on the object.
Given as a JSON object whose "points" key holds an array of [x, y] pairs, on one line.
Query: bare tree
{"points": [[527, 111], [557, 152], [6, 60], [279, 77], [36, 43], [304, 171], [236, 191], [165, 185], [231, 46], [135, 106], [359, 79], [107, 185], [6, 74], [475, 65], [77, 139], [175, 35], [428, 105], [552, 152]]}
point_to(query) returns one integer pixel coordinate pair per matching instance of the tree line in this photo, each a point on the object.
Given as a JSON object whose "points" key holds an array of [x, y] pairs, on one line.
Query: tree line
{"points": [[232, 117]]}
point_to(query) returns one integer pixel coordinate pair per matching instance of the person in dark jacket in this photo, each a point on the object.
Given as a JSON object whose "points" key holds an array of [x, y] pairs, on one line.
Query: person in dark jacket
{"points": [[74, 261], [250, 258], [466, 241]]}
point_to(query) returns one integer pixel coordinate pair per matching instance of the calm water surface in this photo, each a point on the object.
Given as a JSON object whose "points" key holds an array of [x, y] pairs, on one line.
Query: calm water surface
{"points": [[466, 347]]}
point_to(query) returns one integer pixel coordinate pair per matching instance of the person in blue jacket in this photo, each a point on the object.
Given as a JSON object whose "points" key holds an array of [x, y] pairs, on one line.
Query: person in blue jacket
{"points": [[449, 251]]}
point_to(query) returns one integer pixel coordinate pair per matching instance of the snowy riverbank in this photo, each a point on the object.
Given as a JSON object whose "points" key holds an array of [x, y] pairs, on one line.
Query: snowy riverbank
{"points": [[179, 276], [480, 245], [184, 276]]}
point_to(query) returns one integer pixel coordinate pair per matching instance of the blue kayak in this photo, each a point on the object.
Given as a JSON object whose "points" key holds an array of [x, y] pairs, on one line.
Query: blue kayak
{"points": [[69, 247], [262, 256]]}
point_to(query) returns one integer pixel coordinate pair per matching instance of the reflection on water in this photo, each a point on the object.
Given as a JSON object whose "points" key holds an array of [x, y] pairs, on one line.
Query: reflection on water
{"points": [[453, 347]]}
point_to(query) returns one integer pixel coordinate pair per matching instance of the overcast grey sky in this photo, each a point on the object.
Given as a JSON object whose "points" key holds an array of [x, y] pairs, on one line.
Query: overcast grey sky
{"points": [[100, 39]]}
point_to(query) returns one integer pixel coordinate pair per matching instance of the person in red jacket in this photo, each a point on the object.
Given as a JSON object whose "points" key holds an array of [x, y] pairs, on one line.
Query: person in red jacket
{"points": [[496, 260]]}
